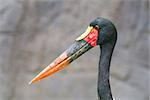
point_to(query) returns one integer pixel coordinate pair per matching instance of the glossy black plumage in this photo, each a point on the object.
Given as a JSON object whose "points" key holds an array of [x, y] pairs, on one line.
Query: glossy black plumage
{"points": [[106, 39]]}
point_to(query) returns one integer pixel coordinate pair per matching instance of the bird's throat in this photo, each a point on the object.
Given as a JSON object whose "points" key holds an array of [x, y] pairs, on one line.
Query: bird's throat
{"points": [[104, 90]]}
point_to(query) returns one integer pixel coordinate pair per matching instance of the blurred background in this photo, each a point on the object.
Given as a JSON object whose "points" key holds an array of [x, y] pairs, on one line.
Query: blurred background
{"points": [[34, 32]]}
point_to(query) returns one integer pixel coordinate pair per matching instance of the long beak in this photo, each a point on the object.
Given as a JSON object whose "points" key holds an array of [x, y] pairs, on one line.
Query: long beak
{"points": [[78, 48]]}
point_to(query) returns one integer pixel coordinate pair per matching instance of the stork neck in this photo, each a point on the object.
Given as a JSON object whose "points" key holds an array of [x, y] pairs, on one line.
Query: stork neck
{"points": [[104, 90]]}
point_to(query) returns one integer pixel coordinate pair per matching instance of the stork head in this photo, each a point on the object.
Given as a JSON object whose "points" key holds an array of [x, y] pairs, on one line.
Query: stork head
{"points": [[100, 32]]}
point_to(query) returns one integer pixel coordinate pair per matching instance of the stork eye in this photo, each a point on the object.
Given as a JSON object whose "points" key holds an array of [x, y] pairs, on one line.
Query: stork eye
{"points": [[97, 27]]}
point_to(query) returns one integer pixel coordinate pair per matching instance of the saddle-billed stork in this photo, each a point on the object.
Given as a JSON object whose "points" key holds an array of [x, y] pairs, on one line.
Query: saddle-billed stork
{"points": [[100, 32]]}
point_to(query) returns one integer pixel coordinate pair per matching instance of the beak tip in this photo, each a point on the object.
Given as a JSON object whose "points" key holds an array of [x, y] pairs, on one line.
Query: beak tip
{"points": [[33, 81], [30, 83]]}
